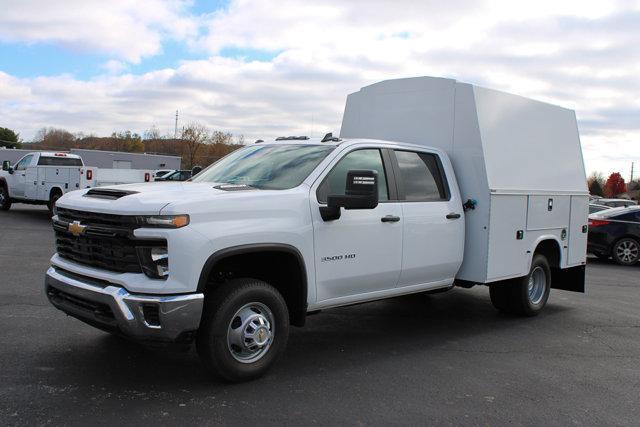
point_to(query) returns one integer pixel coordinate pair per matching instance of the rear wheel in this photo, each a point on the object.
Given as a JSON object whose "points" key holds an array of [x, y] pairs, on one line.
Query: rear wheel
{"points": [[626, 251], [245, 326], [526, 295], [53, 198], [5, 201]]}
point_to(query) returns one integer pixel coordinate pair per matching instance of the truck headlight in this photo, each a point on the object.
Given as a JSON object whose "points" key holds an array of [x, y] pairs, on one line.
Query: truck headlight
{"points": [[164, 221], [154, 261]]}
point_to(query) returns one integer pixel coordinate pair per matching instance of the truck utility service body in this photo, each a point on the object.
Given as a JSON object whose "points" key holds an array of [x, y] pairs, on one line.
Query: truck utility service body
{"points": [[279, 229], [43, 177]]}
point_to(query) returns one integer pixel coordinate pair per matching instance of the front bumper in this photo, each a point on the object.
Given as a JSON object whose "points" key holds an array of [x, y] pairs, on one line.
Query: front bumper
{"points": [[151, 318]]}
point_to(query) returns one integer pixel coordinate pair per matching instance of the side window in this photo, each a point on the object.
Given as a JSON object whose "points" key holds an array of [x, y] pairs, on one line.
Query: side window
{"points": [[370, 159], [421, 177], [22, 164]]}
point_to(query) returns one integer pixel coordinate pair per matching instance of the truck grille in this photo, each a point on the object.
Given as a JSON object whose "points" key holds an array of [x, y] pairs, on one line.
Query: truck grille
{"points": [[106, 242], [115, 254], [94, 218]]}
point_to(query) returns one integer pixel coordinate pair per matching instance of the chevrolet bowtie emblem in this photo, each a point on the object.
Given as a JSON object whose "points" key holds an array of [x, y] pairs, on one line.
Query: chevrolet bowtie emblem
{"points": [[76, 228]]}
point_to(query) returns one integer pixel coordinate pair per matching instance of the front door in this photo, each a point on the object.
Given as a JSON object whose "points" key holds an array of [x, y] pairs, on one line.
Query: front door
{"points": [[19, 177], [360, 252]]}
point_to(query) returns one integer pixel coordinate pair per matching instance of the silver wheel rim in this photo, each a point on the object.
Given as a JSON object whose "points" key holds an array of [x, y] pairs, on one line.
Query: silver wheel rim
{"points": [[627, 251], [537, 285], [250, 332]]}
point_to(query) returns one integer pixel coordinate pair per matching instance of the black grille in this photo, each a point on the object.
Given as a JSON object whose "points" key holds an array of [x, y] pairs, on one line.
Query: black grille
{"points": [[88, 307], [110, 253], [94, 218]]}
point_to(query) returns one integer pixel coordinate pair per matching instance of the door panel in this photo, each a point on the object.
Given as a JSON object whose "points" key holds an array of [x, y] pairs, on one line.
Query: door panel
{"points": [[432, 244], [433, 234], [357, 253], [577, 238]]}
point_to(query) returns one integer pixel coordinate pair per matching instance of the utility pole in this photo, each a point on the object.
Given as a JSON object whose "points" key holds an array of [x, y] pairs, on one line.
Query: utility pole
{"points": [[632, 163], [175, 130]]}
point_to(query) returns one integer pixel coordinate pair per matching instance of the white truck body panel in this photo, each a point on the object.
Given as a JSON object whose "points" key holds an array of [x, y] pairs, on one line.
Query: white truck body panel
{"points": [[510, 154]]}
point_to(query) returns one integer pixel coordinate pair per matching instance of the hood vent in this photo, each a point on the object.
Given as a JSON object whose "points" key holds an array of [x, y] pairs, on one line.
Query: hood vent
{"points": [[105, 193], [234, 187]]}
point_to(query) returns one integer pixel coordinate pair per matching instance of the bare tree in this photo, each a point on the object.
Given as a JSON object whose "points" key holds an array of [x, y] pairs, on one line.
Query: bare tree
{"points": [[193, 136], [219, 137], [152, 133]]}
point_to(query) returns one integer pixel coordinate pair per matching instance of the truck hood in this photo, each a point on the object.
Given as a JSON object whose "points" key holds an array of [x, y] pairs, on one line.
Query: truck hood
{"points": [[146, 198]]}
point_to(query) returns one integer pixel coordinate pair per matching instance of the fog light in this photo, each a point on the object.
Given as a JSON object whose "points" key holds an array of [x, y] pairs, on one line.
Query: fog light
{"points": [[154, 261]]}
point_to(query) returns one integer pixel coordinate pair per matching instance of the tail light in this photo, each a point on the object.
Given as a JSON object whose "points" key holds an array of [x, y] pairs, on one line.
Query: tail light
{"points": [[597, 222], [89, 174], [147, 177]]}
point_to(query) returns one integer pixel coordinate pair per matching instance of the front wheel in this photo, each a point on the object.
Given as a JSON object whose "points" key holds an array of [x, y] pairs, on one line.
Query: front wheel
{"points": [[5, 201], [244, 328], [626, 251], [526, 295]]}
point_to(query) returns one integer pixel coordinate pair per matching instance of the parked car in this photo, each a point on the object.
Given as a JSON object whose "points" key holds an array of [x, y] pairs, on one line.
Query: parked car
{"points": [[161, 172], [617, 203], [180, 175], [594, 208], [616, 233]]}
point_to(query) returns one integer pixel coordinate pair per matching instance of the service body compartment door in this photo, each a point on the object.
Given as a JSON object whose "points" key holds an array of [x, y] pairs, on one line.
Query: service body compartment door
{"points": [[577, 230], [31, 183], [547, 212]]}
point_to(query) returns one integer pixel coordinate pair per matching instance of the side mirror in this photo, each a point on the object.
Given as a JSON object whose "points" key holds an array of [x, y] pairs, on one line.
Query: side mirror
{"points": [[6, 165], [196, 170], [361, 192]]}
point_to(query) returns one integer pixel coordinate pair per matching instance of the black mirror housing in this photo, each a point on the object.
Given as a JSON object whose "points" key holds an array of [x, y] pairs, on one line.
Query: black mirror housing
{"points": [[361, 192], [6, 165]]}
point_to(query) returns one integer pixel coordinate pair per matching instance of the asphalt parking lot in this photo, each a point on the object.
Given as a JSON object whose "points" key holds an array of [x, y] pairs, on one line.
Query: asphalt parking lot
{"points": [[440, 359]]}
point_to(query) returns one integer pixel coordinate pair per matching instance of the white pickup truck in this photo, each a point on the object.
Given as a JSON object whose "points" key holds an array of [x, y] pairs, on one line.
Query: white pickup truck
{"points": [[43, 177], [486, 188]]}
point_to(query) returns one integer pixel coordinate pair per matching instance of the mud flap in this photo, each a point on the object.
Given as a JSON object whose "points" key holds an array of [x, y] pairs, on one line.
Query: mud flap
{"points": [[569, 279]]}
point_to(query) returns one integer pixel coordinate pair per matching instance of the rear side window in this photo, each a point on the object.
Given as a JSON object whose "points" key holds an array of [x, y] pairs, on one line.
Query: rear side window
{"points": [[59, 161], [421, 177], [335, 182]]}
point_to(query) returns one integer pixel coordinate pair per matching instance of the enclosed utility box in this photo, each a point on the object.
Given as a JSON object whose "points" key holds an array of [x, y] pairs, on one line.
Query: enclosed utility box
{"points": [[519, 161]]}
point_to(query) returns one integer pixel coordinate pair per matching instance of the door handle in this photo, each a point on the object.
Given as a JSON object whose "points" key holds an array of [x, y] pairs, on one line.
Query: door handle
{"points": [[390, 218], [453, 215]]}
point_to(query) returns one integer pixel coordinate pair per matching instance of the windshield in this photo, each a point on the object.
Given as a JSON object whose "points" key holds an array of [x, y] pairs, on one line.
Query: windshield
{"points": [[273, 167]]}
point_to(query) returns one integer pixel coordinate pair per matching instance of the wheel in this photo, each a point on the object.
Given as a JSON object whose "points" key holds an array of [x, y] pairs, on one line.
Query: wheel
{"points": [[244, 328], [526, 295], [53, 198], [626, 251], [5, 201]]}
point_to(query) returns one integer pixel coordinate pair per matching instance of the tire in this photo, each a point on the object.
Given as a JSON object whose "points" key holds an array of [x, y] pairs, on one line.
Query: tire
{"points": [[525, 296], [242, 311], [626, 251], [53, 198], [5, 201]]}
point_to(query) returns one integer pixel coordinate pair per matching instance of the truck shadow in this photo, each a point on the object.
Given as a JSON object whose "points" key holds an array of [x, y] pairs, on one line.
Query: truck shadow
{"points": [[26, 213], [336, 340]]}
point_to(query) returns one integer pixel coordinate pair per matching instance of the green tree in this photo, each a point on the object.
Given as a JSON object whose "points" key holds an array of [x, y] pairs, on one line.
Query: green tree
{"points": [[9, 138]]}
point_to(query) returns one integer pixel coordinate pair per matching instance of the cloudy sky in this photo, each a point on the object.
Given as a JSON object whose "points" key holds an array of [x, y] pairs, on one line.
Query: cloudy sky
{"points": [[265, 68]]}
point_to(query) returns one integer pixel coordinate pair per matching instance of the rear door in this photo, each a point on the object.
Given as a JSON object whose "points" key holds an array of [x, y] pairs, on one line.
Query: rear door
{"points": [[433, 233], [361, 252]]}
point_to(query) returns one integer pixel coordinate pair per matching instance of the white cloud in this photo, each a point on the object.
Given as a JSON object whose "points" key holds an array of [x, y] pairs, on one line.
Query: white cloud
{"points": [[579, 54], [127, 29]]}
